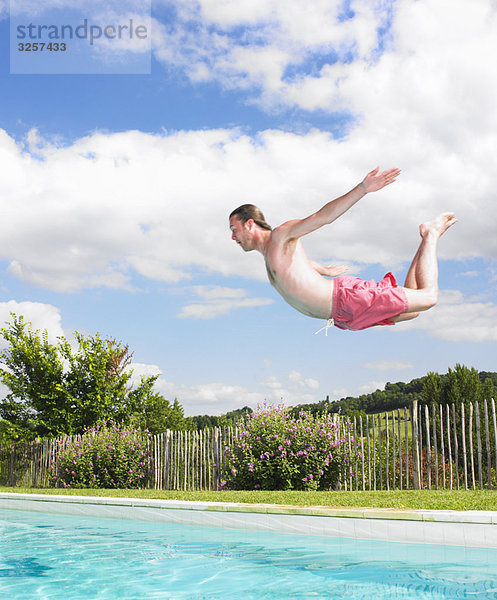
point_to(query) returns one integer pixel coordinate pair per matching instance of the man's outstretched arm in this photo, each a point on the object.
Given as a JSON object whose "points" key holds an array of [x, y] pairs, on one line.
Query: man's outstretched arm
{"points": [[373, 182]]}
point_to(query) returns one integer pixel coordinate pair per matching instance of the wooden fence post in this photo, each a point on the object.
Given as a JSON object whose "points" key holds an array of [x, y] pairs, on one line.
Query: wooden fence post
{"points": [[487, 440], [442, 443], [374, 455], [362, 453], [400, 447], [387, 435], [380, 452], [494, 420], [435, 442], [355, 455], [394, 453], [369, 452], [463, 434], [406, 440], [456, 446], [471, 444], [428, 445], [416, 483], [478, 442], [449, 446]]}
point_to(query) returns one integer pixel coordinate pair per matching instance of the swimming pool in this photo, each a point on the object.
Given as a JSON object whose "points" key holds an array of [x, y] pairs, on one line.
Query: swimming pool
{"points": [[52, 556]]}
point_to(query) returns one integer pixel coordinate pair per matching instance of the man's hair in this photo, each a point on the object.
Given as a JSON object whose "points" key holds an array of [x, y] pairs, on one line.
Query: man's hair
{"points": [[250, 211]]}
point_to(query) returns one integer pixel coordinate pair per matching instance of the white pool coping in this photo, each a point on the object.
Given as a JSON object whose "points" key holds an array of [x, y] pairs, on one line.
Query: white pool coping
{"points": [[471, 528]]}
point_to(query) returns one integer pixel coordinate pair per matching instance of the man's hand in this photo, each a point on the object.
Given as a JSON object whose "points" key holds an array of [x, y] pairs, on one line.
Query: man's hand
{"points": [[328, 270], [374, 181], [331, 271]]}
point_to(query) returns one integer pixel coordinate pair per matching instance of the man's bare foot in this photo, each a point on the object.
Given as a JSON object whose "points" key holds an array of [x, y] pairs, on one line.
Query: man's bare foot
{"points": [[438, 226]]}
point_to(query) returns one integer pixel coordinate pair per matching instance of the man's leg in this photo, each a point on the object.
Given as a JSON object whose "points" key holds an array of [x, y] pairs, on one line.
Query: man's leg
{"points": [[411, 281], [421, 285]]}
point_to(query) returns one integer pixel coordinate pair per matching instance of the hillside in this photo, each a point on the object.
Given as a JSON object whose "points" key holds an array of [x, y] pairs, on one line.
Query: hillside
{"points": [[458, 384]]}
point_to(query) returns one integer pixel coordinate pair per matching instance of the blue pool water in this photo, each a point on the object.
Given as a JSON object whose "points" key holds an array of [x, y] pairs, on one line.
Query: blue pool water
{"points": [[45, 556]]}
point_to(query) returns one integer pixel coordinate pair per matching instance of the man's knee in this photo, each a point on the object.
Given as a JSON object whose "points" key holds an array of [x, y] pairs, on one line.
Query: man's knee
{"points": [[420, 300], [431, 299]]}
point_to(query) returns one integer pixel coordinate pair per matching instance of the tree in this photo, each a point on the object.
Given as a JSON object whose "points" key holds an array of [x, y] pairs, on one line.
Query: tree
{"points": [[463, 385], [156, 414], [432, 389], [232, 417], [229, 419], [57, 389], [34, 373]]}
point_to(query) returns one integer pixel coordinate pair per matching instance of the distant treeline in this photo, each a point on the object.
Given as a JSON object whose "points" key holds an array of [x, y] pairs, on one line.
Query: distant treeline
{"points": [[230, 419], [461, 384]]}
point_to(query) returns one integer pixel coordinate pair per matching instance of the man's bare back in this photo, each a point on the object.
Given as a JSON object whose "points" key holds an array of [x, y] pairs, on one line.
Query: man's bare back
{"points": [[304, 284]]}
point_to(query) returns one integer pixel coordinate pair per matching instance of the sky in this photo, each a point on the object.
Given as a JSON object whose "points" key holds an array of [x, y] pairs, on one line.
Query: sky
{"points": [[116, 186]]}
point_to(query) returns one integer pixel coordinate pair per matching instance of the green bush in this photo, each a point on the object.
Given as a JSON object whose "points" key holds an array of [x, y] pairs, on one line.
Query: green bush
{"points": [[273, 451], [106, 456]]}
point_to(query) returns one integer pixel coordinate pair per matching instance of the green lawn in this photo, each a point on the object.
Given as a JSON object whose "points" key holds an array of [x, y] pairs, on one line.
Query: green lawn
{"points": [[424, 499]]}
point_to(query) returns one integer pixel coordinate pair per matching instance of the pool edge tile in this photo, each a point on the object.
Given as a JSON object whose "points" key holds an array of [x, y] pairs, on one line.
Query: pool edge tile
{"points": [[467, 528]]}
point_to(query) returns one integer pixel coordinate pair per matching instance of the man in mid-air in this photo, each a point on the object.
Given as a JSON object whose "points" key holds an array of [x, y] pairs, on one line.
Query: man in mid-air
{"points": [[347, 302]]}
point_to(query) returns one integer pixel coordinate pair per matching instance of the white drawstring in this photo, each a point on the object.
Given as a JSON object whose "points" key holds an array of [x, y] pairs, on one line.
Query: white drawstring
{"points": [[329, 324]]}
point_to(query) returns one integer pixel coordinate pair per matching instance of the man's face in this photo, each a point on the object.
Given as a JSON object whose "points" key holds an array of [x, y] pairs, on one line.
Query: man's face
{"points": [[240, 233]]}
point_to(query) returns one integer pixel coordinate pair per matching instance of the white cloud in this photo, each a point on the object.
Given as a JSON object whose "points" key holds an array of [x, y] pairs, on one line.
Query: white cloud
{"points": [[41, 316], [371, 386], [254, 45], [273, 383], [295, 376], [299, 381], [217, 300], [297, 390], [426, 75], [388, 365], [313, 384], [217, 292], [141, 370], [209, 398]]}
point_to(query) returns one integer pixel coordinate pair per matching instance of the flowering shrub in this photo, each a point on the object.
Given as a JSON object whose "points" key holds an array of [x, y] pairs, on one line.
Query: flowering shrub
{"points": [[105, 456], [273, 451]]}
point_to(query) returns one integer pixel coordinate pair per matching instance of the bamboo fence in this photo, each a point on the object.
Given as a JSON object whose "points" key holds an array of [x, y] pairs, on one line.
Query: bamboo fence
{"points": [[442, 447]]}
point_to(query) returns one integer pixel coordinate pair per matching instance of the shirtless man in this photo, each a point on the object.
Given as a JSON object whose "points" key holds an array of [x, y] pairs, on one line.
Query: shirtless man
{"points": [[347, 302]]}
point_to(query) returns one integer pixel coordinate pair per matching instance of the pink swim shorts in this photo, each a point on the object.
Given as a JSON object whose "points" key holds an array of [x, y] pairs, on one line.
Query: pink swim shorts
{"points": [[358, 304]]}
